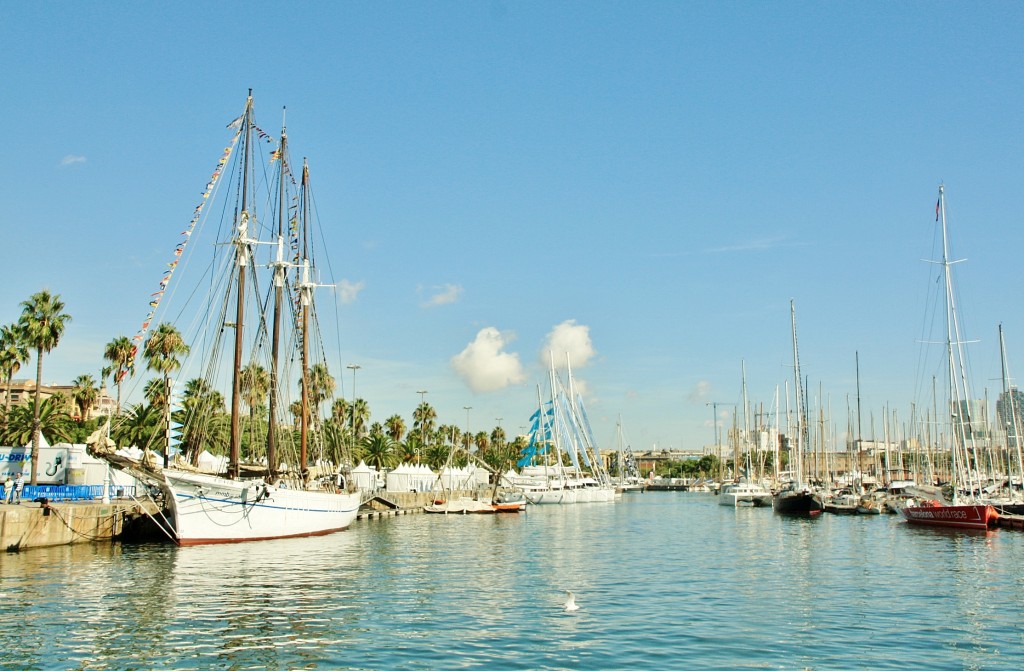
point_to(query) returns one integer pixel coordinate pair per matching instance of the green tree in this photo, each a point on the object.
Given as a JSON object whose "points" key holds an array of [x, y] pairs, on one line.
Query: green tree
{"points": [[13, 353], [42, 324], [201, 405], [411, 448], [423, 419], [53, 422], [339, 411], [396, 427], [120, 352], [163, 352], [255, 385], [360, 417], [84, 393], [379, 451], [321, 387], [141, 426]]}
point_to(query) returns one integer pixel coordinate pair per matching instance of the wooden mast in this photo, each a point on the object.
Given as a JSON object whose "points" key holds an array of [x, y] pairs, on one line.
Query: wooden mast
{"points": [[241, 260], [275, 347]]}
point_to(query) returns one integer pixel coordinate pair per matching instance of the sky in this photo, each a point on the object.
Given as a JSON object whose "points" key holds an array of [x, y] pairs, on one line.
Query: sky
{"points": [[645, 185]]}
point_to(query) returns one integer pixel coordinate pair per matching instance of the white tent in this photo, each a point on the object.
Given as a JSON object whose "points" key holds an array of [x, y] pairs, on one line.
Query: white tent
{"points": [[211, 463], [42, 441], [364, 477]]}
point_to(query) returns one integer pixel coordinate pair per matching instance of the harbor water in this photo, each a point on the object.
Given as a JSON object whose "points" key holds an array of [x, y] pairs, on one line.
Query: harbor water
{"points": [[664, 580]]}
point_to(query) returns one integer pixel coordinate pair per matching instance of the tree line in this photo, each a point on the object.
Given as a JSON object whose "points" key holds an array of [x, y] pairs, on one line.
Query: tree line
{"points": [[342, 432]]}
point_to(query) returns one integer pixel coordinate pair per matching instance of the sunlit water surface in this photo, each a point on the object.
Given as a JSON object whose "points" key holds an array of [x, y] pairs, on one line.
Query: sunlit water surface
{"points": [[664, 581]]}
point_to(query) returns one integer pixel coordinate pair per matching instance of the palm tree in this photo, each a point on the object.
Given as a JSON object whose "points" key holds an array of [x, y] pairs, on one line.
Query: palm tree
{"points": [[201, 404], [498, 437], [155, 393], [254, 385], [360, 416], [321, 386], [13, 353], [482, 441], [162, 352], [295, 407], [139, 426], [120, 352], [41, 324], [51, 419], [423, 419], [339, 411], [84, 393], [396, 427], [379, 451], [410, 448]]}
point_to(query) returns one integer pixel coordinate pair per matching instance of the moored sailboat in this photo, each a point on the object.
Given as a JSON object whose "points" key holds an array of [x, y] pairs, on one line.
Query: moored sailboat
{"points": [[958, 511], [272, 501], [795, 497], [560, 427]]}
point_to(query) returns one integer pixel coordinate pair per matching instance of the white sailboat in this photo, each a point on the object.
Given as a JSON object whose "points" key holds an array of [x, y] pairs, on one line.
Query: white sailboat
{"points": [[561, 430], [274, 501]]}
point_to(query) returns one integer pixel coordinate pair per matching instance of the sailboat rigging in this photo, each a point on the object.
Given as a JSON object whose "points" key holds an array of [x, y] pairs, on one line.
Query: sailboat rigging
{"points": [[959, 511], [265, 498]]}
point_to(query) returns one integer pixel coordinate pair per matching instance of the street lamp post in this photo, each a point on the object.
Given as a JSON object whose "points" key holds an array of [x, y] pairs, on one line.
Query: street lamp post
{"points": [[469, 442]]}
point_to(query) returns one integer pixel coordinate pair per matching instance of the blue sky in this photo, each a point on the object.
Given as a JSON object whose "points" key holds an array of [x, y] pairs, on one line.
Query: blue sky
{"points": [[651, 182]]}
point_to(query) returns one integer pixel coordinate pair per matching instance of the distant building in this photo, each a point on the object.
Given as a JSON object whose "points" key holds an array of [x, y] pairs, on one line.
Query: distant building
{"points": [[23, 391], [1008, 408], [974, 415]]}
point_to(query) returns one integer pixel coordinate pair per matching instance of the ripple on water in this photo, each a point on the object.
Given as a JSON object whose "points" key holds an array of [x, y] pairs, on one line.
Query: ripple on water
{"points": [[664, 581]]}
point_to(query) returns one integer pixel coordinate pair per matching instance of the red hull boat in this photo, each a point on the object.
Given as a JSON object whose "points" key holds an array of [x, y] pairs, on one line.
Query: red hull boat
{"points": [[935, 514]]}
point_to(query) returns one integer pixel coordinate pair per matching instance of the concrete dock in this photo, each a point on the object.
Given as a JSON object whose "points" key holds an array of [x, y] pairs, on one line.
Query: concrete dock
{"points": [[32, 524]]}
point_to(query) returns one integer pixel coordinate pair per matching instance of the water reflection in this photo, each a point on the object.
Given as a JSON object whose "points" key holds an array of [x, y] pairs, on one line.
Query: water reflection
{"points": [[664, 581]]}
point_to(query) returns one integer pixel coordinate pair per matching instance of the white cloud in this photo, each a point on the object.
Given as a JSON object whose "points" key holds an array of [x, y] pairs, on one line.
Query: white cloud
{"points": [[700, 392], [568, 338], [484, 366], [349, 291], [71, 159], [449, 293]]}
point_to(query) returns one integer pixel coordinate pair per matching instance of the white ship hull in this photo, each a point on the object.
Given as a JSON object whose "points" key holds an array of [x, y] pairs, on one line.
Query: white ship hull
{"points": [[210, 509]]}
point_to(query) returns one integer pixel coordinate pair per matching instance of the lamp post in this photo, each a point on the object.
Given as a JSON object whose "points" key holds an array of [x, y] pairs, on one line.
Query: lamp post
{"points": [[469, 441], [423, 423], [353, 367]]}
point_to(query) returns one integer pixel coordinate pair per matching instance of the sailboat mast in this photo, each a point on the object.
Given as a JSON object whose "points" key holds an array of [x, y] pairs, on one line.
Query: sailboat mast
{"points": [[1010, 394], [958, 390], [304, 333], [798, 393], [746, 426], [241, 260], [275, 344]]}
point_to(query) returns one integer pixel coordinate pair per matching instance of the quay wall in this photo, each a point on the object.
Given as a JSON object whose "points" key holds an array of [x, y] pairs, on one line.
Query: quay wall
{"points": [[32, 524], [35, 525]]}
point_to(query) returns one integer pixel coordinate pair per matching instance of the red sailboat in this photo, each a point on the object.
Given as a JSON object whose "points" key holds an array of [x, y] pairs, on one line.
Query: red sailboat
{"points": [[956, 513]]}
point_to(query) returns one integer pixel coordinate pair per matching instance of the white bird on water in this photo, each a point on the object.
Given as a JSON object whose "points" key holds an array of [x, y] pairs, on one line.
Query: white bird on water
{"points": [[570, 603]]}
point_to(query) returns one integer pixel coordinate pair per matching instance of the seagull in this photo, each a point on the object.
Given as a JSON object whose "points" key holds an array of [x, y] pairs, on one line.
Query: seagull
{"points": [[570, 603]]}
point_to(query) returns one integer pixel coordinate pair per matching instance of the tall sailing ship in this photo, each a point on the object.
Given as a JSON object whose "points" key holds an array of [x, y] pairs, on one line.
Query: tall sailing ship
{"points": [[258, 318], [962, 509]]}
